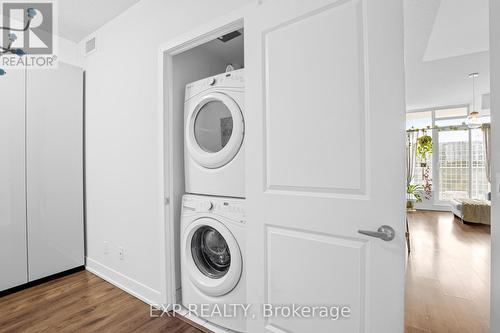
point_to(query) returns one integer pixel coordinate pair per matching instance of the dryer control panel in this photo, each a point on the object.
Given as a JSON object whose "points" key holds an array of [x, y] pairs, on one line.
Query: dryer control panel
{"points": [[226, 79], [230, 80]]}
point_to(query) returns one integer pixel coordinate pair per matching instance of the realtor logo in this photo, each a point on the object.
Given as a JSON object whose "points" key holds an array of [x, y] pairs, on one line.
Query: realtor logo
{"points": [[39, 37]]}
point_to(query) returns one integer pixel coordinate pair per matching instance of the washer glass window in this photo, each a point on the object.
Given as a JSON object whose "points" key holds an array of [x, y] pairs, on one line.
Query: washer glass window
{"points": [[210, 252], [213, 126]]}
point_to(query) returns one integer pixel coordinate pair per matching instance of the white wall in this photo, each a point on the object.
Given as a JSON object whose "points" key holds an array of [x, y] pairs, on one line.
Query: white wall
{"points": [[429, 204], [68, 52], [124, 152], [495, 120]]}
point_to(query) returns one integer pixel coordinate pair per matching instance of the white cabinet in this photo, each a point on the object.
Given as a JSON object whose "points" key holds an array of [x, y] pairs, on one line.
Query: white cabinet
{"points": [[54, 177], [41, 174], [13, 257]]}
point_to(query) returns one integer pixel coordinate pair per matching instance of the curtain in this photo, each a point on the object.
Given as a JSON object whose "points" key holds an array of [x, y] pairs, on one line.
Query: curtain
{"points": [[411, 155], [487, 150]]}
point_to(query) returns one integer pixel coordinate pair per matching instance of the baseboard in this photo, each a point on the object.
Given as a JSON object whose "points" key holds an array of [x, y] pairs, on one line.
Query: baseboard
{"points": [[40, 281], [135, 288], [438, 208], [201, 324]]}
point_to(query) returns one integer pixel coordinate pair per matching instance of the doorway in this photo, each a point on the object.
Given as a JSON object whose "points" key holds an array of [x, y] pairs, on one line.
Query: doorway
{"points": [[448, 142], [198, 55]]}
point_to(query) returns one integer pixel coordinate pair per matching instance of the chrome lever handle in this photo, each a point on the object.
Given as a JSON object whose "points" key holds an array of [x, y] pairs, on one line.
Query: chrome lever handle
{"points": [[385, 233]]}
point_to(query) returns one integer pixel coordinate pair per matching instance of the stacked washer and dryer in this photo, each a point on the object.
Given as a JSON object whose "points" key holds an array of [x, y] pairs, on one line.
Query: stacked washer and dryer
{"points": [[213, 212]]}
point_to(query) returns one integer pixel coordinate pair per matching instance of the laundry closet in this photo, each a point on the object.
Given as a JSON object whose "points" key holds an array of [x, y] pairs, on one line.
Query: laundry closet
{"points": [[207, 170]]}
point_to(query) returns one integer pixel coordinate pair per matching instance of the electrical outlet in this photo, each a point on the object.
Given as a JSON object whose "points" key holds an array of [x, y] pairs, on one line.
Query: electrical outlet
{"points": [[106, 247], [121, 253]]}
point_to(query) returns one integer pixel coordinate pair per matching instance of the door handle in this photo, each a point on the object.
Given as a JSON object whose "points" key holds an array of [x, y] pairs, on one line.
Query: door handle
{"points": [[385, 232]]}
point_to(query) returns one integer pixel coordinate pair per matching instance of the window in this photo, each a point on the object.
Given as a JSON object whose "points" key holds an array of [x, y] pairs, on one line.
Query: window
{"points": [[460, 112], [480, 186], [453, 164], [458, 168], [418, 119], [418, 175]]}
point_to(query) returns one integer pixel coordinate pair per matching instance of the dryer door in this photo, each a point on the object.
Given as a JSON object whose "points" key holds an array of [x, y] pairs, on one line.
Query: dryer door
{"points": [[214, 130], [212, 257]]}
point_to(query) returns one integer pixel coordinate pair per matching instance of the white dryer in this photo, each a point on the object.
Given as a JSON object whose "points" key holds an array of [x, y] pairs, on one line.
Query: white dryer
{"points": [[212, 259], [214, 134]]}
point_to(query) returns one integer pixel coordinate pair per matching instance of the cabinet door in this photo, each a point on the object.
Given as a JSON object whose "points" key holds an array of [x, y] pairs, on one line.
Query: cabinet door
{"points": [[13, 259], [54, 166]]}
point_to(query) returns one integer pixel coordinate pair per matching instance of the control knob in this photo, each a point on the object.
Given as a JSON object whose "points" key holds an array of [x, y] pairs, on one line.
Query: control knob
{"points": [[206, 206]]}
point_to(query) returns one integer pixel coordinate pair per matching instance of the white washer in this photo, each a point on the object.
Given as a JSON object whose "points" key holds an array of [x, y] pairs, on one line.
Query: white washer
{"points": [[214, 134], [212, 259]]}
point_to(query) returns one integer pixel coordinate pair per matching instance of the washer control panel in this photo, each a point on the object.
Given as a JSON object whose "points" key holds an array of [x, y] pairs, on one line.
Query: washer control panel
{"points": [[226, 207], [230, 208]]}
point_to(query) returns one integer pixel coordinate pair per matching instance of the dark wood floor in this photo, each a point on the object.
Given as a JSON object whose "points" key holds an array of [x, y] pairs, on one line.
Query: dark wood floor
{"points": [[448, 275], [447, 290], [81, 302]]}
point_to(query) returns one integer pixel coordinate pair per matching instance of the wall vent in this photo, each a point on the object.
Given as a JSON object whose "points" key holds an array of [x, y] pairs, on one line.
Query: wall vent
{"points": [[90, 46]]}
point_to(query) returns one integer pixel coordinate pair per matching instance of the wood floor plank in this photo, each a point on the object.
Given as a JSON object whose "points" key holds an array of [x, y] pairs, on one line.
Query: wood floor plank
{"points": [[447, 275], [81, 302]]}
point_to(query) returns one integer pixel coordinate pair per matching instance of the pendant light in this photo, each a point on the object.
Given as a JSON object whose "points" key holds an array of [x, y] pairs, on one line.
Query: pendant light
{"points": [[473, 117]]}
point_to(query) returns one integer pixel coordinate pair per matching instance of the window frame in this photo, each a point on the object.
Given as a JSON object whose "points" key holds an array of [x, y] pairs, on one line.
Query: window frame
{"points": [[435, 149]]}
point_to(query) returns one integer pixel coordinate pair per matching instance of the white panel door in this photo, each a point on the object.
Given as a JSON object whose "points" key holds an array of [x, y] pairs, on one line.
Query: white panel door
{"points": [[325, 120], [13, 260], [55, 170]]}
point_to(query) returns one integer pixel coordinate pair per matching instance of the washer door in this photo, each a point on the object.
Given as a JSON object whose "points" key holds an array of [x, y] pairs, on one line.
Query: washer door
{"points": [[214, 130], [212, 256]]}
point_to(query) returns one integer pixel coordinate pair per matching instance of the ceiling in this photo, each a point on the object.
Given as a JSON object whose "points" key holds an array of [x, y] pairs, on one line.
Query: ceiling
{"points": [[445, 40], [460, 27], [79, 18]]}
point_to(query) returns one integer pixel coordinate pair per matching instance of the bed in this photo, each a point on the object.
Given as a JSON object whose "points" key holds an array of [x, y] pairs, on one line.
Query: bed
{"points": [[472, 210]]}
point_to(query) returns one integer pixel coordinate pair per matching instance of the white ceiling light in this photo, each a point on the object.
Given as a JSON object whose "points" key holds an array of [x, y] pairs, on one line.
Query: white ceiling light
{"points": [[473, 118]]}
